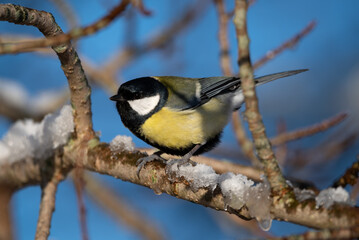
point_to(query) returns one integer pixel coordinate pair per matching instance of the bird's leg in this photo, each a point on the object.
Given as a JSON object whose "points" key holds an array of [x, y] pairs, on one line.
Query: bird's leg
{"points": [[156, 156], [185, 159]]}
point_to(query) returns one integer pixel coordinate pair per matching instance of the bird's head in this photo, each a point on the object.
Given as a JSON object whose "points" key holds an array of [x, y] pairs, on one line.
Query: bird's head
{"points": [[143, 95]]}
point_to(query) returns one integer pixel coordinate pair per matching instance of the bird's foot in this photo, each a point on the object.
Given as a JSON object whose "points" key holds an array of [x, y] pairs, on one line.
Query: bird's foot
{"points": [[143, 161], [178, 162]]}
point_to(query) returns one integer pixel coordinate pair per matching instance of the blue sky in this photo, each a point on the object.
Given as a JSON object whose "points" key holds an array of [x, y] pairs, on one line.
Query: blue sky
{"points": [[330, 52]]}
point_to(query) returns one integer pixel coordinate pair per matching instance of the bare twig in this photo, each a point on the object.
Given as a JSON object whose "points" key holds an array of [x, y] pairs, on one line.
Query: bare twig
{"points": [[282, 150], [70, 63], [311, 130], [338, 234], [124, 56], [279, 186], [225, 60], [6, 13], [101, 77], [324, 152], [140, 6], [79, 186], [10, 38], [244, 142], [350, 176], [51, 178], [105, 75], [288, 44], [355, 192], [6, 230], [67, 12], [123, 212], [223, 38]]}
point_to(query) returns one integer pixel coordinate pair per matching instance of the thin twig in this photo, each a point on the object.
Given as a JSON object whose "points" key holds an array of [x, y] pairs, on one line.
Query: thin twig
{"points": [[79, 184], [126, 55], [241, 136], [10, 38], [70, 63], [327, 234], [281, 151], [308, 131], [323, 153], [99, 76], [288, 44], [279, 186], [105, 75], [59, 37], [350, 176], [6, 228], [225, 61], [51, 178], [123, 212], [67, 12], [355, 192], [141, 7]]}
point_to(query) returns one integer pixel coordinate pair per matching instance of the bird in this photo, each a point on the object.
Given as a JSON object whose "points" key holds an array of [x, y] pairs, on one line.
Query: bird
{"points": [[179, 115]]}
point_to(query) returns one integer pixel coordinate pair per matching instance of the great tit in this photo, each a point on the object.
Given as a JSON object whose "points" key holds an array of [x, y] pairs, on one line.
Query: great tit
{"points": [[181, 116]]}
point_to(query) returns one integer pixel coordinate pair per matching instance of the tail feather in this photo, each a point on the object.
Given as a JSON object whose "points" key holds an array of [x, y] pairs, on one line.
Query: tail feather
{"points": [[271, 77]]}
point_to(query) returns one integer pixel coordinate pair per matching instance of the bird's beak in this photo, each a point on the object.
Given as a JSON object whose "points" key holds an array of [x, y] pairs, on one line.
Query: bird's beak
{"points": [[116, 98]]}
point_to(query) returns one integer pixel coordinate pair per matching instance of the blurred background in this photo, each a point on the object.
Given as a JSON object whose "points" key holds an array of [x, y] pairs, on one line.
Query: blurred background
{"points": [[127, 49]]}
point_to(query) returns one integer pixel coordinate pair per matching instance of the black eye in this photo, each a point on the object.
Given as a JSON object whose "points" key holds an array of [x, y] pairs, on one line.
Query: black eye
{"points": [[234, 87]]}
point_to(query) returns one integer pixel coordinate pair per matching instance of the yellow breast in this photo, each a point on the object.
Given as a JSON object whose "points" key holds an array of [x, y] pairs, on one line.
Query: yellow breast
{"points": [[180, 129]]}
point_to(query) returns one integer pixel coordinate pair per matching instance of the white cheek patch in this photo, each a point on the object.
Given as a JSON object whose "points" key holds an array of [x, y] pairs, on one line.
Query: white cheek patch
{"points": [[237, 100], [145, 105]]}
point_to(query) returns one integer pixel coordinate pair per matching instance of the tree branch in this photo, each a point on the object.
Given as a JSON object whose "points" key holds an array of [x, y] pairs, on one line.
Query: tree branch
{"points": [[350, 176], [124, 56], [70, 63], [327, 234], [123, 166], [225, 61], [49, 187], [220, 166], [123, 212], [7, 11], [311, 130], [278, 184], [288, 44], [6, 229]]}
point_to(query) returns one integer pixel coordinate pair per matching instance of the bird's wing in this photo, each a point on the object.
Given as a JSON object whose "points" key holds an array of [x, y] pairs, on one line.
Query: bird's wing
{"points": [[190, 93], [214, 86]]}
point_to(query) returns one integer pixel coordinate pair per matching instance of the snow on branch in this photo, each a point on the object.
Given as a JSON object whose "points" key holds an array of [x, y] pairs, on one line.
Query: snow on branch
{"points": [[237, 189], [29, 139]]}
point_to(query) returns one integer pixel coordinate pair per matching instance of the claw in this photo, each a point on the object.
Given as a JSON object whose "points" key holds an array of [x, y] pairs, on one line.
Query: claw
{"points": [[180, 162], [143, 161]]}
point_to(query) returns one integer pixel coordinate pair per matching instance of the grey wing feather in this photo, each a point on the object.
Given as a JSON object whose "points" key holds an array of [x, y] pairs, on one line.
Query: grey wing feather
{"points": [[274, 76], [214, 86], [221, 84]]}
